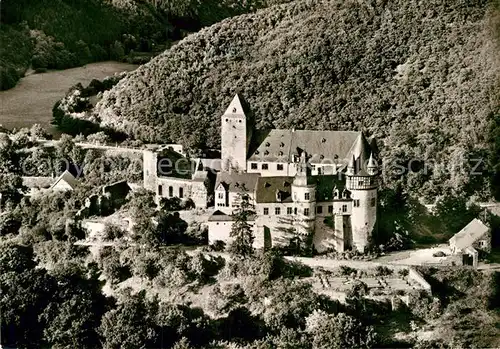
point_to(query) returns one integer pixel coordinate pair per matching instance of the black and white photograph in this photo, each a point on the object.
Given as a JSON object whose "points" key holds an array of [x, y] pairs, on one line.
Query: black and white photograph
{"points": [[249, 174]]}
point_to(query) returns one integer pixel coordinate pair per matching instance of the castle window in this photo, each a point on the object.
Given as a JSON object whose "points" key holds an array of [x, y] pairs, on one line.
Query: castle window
{"points": [[234, 110], [323, 140], [306, 212], [344, 208], [227, 120], [361, 183], [256, 152], [253, 165], [239, 120], [372, 202], [295, 210], [266, 211], [221, 195], [279, 167], [265, 166], [289, 210], [160, 190], [282, 145], [277, 211], [319, 209], [330, 209], [307, 196], [181, 192], [280, 153], [319, 170], [170, 191], [356, 203]]}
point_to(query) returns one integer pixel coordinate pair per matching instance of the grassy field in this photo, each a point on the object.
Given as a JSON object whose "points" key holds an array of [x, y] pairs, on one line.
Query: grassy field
{"points": [[32, 99]]}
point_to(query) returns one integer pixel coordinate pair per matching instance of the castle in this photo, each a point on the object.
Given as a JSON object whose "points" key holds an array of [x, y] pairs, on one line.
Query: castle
{"points": [[320, 184]]}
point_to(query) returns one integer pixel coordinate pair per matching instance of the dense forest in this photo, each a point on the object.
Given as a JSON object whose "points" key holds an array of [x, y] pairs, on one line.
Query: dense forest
{"points": [[422, 77], [59, 34]]}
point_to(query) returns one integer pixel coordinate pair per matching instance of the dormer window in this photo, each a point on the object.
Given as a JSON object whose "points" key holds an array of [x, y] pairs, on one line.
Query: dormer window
{"points": [[335, 193], [256, 152], [282, 145], [268, 144], [321, 157], [280, 153], [279, 195], [266, 152]]}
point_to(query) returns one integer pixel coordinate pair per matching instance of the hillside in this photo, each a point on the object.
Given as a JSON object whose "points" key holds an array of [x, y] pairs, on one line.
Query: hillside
{"points": [[59, 34], [420, 76]]}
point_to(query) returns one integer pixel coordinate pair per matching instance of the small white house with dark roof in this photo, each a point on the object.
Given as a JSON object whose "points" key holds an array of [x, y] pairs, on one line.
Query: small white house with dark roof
{"points": [[475, 234], [475, 237], [220, 224]]}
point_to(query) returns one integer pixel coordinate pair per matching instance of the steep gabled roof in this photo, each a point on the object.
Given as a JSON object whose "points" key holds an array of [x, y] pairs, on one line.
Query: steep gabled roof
{"points": [[236, 182], [267, 187], [469, 234], [285, 145], [67, 177]]}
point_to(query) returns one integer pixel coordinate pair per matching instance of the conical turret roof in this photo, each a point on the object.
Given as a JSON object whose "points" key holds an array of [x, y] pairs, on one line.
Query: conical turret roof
{"points": [[360, 149]]}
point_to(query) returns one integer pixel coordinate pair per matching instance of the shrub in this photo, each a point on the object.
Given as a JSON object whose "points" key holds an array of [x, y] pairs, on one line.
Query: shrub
{"points": [[226, 298], [112, 232], [403, 273], [381, 270], [345, 270], [218, 246]]}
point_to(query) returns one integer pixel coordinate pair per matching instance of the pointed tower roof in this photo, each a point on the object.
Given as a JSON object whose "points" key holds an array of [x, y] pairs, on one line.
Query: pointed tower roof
{"points": [[235, 107], [360, 149], [371, 161], [374, 145], [351, 167], [372, 167]]}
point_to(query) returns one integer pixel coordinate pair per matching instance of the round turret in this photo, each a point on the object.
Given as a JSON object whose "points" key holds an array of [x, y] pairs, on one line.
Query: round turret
{"points": [[362, 184]]}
